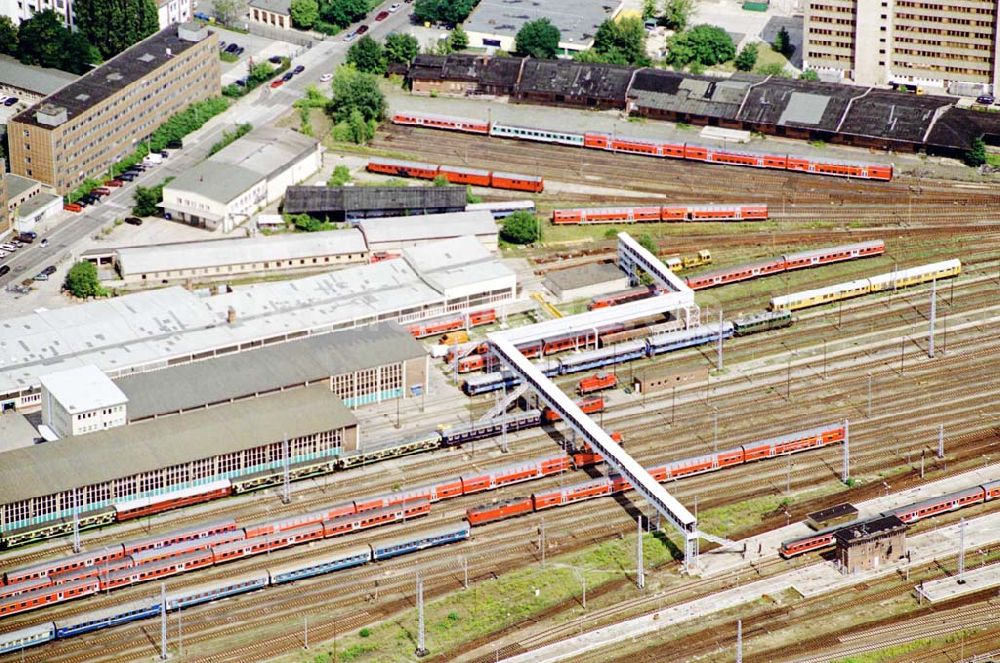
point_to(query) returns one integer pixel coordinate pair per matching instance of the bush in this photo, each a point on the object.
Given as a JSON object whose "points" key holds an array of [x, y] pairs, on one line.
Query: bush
{"points": [[809, 75], [705, 44], [772, 69], [647, 242], [976, 156], [471, 198], [82, 281], [441, 180], [520, 228], [230, 136], [365, 632], [747, 58], [147, 199], [305, 223], [340, 176]]}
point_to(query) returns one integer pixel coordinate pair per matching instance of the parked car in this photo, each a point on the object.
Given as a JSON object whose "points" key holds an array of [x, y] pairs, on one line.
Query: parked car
{"points": [[10, 101], [298, 70], [127, 177], [239, 51], [4, 269], [222, 45], [114, 183], [351, 37], [232, 47], [133, 221], [287, 77], [394, 7], [72, 207], [102, 191], [27, 239], [274, 59], [201, 16], [50, 270], [985, 99], [278, 82], [164, 154], [361, 30], [44, 243], [326, 78], [41, 277], [31, 234], [381, 16], [242, 82]]}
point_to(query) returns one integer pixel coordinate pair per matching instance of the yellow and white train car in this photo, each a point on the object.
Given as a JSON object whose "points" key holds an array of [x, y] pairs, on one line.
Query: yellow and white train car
{"points": [[891, 281]]}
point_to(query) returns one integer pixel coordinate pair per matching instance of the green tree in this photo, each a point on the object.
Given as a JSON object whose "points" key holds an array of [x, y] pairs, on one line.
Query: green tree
{"points": [[976, 156], [359, 127], [521, 227], [305, 13], [259, 73], [367, 55], [538, 38], [8, 36], [305, 223], [647, 242], [614, 56], [772, 69], [113, 26], [343, 12], [440, 180], [809, 75], [624, 39], [401, 48], [446, 11], [471, 198], [705, 44], [43, 40], [340, 176], [82, 281], [459, 39], [783, 43], [747, 57], [648, 9], [146, 200], [355, 89], [677, 13], [227, 12]]}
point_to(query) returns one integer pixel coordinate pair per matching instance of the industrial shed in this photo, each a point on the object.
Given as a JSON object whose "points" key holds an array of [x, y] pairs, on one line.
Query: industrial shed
{"points": [[798, 109], [43, 482], [400, 232], [571, 83], [226, 258], [346, 203], [585, 281], [460, 74], [464, 271], [369, 365], [679, 97]]}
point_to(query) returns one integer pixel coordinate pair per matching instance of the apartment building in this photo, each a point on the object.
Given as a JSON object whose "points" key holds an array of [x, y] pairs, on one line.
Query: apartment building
{"points": [[168, 11], [85, 127], [949, 44]]}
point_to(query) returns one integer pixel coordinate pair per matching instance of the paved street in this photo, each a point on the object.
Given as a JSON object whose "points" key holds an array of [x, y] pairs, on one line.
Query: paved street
{"points": [[261, 107]]}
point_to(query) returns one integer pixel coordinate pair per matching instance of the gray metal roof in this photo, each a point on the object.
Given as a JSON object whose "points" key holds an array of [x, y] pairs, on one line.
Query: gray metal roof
{"points": [[44, 469], [237, 251], [390, 199], [37, 202], [427, 227], [577, 21], [584, 275], [16, 431], [266, 150], [40, 80], [265, 369], [217, 182]]}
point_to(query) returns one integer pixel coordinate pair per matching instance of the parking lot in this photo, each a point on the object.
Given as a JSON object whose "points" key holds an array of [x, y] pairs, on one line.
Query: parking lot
{"points": [[255, 47]]}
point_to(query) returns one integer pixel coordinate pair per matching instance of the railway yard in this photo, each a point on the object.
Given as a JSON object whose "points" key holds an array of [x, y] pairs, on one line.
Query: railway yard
{"points": [[531, 583]]}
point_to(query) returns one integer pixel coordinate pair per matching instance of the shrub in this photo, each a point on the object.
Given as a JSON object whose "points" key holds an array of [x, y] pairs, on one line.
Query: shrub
{"points": [[82, 281], [520, 228]]}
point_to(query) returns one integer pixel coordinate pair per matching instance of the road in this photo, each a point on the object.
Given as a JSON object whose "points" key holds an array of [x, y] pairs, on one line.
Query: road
{"points": [[261, 107]]}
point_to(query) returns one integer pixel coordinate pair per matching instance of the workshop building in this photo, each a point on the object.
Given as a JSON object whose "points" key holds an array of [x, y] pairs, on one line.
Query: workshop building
{"points": [[870, 544], [340, 204], [585, 281], [394, 234], [494, 24], [81, 400]]}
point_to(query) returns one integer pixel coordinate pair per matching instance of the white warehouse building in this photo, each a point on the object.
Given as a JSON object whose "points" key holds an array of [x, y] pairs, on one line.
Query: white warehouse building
{"points": [[81, 400], [228, 188], [395, 233]]}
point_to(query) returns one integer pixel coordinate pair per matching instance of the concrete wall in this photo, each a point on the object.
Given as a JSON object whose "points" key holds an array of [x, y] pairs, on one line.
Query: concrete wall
{"points": [[293, 174]]}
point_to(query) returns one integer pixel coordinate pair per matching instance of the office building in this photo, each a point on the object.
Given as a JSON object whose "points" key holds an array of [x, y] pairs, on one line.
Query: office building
{"points": [[84, 128]]}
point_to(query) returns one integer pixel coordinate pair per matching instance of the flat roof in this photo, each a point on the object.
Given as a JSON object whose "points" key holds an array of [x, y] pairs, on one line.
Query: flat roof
{"points": [[37, 202], [129, 66], [456, 266], [276, 6], [219, 183], [869, 529], [16, 184], [266, 150], [237, 251], [265, 369], [582, 276], [52, 467], [16, 431], [427, 227], [577, 21], [83, 389], [41, 80]]}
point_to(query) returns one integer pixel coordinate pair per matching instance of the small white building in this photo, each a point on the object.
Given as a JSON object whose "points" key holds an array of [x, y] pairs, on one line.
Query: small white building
{"points": [[173, 11], [394, 233], [81, 400], [35, 210], [228, 188]]}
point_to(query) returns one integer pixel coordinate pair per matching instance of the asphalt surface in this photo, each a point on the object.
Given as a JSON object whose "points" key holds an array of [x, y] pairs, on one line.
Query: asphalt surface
{"points": [[261, 107]]}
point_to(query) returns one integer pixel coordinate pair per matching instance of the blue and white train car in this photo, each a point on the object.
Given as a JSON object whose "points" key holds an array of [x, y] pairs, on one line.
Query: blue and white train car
{"points": [[334, 562], [113, 616], [504, 209], [686, 338], [537, 135], [216, 591], [616, 354], [420, 541], [21, 639]]}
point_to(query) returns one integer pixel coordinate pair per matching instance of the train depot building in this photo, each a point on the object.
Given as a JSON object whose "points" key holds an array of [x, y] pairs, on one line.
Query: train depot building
{"points": [[341, 204], [871, 544]]}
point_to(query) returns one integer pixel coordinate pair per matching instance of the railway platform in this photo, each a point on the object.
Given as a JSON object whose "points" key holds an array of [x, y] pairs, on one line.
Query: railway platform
{"points": [[808, 581], [976, 580]]}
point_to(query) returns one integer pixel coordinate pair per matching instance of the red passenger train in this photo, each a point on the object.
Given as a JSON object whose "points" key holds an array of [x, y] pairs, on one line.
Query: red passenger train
{"points": [[653, 147], [457, 175], [597, 215]]}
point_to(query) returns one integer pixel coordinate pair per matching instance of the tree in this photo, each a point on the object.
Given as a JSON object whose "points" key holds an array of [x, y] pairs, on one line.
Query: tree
{"points": [[305, 13], [538, 38], [622, 40], [747, 58], [82, 281], [305, 223], [783, 43], [647, 242], [8, 36], [648, 9], [704, 44], [401, 48], [359, 127], [976, 156], [146, 200], [355, 89], [459, 39], [809, 75], [343, 12], [114, 26], [340, 176], [367, 55], [78, 54], [445, 11], [677, 13], [227, 12], [521, 227], [43, 40]]}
